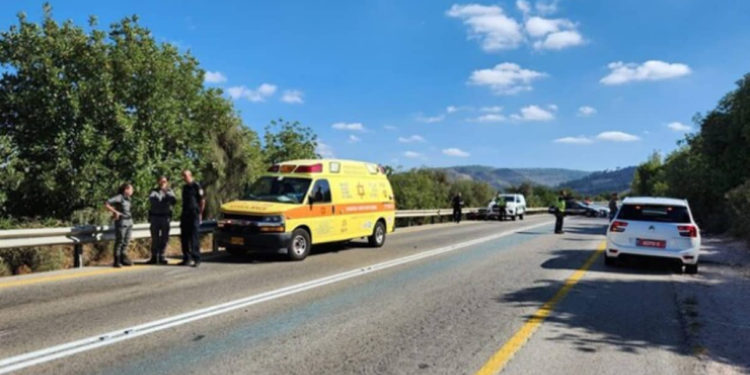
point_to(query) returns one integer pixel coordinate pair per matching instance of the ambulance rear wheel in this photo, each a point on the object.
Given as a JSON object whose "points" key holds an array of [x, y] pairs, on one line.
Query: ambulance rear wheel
{"points": [[377, 239], [299, 246]]}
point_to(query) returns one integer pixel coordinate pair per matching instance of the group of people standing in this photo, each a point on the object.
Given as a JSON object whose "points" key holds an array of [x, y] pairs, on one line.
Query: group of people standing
{"points": [[162, 200]]}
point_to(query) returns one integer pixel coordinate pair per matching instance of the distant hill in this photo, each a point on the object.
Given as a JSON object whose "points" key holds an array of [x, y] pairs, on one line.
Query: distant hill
{"points": [[505, 177], [617, 180]]}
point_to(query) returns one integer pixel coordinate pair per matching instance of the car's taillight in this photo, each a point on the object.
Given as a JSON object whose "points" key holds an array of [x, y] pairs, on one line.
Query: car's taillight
{"points": [[618, 226], [687, 230]]}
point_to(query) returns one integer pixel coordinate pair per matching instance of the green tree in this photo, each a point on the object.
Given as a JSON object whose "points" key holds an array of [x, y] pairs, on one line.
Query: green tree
{"points": [[648, 179], [286, 140], [87, 110]]}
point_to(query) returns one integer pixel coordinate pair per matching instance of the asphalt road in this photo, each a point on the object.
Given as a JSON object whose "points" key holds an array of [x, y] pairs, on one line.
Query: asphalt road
{"points": [[446, 307]]}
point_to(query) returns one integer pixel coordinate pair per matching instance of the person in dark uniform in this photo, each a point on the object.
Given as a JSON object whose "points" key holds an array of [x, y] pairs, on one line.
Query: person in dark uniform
{"points": [[119, 206], [612, 206], [457, 204], [193, 204], [560, 212], [161, 200]]}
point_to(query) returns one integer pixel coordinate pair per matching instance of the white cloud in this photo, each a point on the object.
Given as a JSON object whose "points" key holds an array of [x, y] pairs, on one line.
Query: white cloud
{"points": [[412, 154], [214, 77], [390, 127], [652, 70], [353, 138], [292, 97], [492, 109], [430, 119], [324, 150], [497, 31], [560, 40], [455, 152], [258, 95], [506, 78], [351, 126], [412, 139], [538, 27], [489, 24], [451, 109], [617, 136], [679, 127], [586, 111], [546, 8], [574, 140], [535, 113], [490, 117], [523, 6]]}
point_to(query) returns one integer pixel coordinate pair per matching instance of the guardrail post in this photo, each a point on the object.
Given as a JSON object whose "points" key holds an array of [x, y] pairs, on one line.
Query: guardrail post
{"points": [[78, 255]]}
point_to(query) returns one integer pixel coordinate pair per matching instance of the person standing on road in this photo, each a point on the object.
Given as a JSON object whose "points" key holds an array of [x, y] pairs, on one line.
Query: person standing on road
{"points": [[501, 204], [161, 200], [193, 205], [457, 204], [119, 206], [560, 213], [612, 206]]}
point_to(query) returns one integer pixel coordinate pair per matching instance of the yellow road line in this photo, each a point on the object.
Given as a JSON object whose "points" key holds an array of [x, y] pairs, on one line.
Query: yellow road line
{"points": [[66, 276], [497, 362]]}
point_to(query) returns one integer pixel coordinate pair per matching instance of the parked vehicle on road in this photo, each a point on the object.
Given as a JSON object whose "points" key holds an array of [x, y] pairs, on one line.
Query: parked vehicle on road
{"points": [[654, 227], [301, 203], [515, 206]]}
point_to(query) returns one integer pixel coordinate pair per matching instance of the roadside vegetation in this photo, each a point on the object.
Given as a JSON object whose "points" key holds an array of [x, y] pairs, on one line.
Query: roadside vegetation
{"points": [[711, 169]]}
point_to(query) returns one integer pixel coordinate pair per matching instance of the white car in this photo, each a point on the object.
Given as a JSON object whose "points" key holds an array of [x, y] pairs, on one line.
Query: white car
{"points": [[654, 227], [515, 205]]}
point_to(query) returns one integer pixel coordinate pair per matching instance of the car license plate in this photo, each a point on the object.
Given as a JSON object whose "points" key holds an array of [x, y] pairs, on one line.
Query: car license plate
{"points": [[651, 243], [237, 241]]}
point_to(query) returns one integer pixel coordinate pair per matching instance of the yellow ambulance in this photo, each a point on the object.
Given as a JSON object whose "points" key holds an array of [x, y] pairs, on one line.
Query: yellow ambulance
{"points": [[300, 203]]}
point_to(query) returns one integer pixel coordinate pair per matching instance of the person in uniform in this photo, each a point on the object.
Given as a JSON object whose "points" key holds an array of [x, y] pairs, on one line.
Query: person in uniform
{"points": [[612, 206], [193, 205], [457, 204], [501, 205], [560, 213], [119, 206], [161, 200]]}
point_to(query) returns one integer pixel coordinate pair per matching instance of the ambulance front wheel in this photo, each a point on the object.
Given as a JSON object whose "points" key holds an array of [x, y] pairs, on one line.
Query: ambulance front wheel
{"points": [[377, 239], [299, 246]]}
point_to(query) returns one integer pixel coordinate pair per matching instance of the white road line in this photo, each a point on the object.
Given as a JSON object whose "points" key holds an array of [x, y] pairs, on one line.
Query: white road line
{"points": [[64, 350]]}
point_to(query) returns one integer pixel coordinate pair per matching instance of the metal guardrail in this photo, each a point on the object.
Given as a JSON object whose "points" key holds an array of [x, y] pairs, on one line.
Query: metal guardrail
{"points": [[78, 236]]}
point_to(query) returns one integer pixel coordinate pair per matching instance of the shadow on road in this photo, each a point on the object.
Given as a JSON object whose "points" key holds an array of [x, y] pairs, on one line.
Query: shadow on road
{"points": [[251, 258]]}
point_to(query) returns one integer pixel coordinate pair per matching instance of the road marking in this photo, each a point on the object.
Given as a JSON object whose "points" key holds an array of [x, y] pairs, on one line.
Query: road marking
{"points": [[66, 276], [497, 362], [64, 350]]}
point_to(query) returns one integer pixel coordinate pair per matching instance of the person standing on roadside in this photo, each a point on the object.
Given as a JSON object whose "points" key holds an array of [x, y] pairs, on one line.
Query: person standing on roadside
{"points": [[161, 200], [457, 204], [612, 206], [560, 213], [119, 206], [193, 205]]}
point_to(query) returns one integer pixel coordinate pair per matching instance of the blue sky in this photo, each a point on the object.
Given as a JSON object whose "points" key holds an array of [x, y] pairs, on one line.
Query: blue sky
{"points": [[584, 84]]}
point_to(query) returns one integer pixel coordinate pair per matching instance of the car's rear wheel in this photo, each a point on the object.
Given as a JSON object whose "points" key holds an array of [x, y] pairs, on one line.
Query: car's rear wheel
{"points": [[299, 246], [514, 217], [691, 269], [377, 239]]}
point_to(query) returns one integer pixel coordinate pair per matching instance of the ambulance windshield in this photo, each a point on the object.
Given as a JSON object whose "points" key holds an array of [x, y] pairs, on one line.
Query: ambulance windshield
{"points": [[278, 189]]}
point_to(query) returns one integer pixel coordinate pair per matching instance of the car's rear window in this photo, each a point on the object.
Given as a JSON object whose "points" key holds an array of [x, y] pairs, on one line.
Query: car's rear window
{"points": [[653, 212]]}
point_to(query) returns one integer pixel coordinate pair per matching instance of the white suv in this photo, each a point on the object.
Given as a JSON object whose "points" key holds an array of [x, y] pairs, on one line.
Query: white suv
{"points": [[654, 227], [515, 205]]}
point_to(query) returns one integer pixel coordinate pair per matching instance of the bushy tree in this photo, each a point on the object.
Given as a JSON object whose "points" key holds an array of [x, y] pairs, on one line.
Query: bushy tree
{"points": [[284, 140], [87, 110]]}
